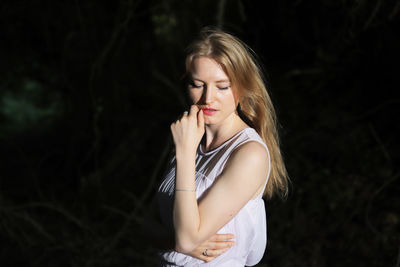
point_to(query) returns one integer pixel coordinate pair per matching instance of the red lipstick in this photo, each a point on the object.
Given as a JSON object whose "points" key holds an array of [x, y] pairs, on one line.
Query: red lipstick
{"points": [[209, 111]]}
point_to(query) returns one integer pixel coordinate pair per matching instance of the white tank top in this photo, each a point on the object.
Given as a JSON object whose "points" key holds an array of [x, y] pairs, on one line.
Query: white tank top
{"points": [[249, 225]]}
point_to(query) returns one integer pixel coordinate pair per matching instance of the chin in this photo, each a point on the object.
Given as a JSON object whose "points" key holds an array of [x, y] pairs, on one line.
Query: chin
{"points": [[209, 122]]}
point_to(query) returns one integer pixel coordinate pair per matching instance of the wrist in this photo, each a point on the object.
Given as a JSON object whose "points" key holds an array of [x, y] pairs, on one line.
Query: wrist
{"points": [[185, 154]]}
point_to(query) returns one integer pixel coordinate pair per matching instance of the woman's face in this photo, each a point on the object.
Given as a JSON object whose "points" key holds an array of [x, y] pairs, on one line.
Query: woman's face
{"points": [[210, 89]]}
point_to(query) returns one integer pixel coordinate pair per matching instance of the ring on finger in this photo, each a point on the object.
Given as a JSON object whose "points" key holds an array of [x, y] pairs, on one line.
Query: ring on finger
{"points": [[205, 252]]}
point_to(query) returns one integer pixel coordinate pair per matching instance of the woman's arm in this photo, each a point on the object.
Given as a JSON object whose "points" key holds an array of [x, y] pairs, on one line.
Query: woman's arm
{"points": [[244, 174], [213, 247], [153, 234]]}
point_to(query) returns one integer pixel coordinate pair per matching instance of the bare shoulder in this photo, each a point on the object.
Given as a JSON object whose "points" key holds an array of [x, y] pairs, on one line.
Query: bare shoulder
{"points": [[246, 170], [251, 150], [251, 154]]}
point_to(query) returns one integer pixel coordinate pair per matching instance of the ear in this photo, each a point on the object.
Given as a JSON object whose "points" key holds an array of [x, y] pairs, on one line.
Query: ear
{"points": [[237, 102], [236, 96]]}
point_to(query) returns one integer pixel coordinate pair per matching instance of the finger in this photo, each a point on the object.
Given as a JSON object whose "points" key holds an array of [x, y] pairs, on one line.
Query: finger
{"points": [[200, 119], [222, 237], [216, 252], [184, 114], [206, 259], [193, 110], [221, 244]]}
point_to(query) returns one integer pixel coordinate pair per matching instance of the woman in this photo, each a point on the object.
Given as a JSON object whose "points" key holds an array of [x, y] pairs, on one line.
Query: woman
{"points": [[227, 157]]}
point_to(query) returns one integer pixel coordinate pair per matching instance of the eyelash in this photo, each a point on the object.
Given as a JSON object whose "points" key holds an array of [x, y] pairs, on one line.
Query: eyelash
{"points": [[196, 86], [200, 86]]}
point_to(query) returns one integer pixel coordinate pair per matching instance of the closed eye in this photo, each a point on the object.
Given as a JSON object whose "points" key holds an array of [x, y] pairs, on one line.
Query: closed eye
{"points": [[223, 88], [193, 85]]}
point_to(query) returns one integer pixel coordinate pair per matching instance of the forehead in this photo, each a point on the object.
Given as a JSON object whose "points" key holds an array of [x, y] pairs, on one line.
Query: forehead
{"points": [[205, 68]]}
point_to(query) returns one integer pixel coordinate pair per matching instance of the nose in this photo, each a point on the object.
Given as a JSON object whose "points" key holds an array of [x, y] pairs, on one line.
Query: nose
{"points": [[208, 94]]}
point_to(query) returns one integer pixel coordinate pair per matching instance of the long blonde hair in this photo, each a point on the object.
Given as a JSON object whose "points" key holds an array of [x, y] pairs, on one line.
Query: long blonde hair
{"points": [[255, 106]]}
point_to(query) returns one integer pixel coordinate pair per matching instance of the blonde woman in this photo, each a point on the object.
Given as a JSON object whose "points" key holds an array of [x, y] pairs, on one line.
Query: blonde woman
{"points": [[227, 158]]}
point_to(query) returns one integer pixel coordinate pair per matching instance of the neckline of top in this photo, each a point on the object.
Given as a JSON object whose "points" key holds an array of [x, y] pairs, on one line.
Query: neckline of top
{"points": [[200, 150]]}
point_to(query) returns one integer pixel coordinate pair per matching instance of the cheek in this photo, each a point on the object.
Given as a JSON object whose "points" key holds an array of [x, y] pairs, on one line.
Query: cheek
{"points": [[229, 100], [194, 96]]}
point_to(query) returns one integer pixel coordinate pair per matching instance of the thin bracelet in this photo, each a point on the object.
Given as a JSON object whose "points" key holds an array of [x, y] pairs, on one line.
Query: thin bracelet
{"points": [[185, 190]]}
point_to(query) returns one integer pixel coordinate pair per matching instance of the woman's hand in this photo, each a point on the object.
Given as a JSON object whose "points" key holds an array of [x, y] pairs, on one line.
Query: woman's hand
{"points": [[188, 131], [213, 247]]}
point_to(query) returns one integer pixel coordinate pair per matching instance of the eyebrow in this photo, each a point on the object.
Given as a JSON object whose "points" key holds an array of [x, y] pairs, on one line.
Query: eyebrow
{"points": [[219, 81]]}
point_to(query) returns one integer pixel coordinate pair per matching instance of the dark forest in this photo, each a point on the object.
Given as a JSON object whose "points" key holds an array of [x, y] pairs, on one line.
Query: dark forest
{"points": [[88, 90]]}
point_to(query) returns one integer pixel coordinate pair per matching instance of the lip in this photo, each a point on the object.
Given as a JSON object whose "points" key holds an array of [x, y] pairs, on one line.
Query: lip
{"points": [[209, 111]]}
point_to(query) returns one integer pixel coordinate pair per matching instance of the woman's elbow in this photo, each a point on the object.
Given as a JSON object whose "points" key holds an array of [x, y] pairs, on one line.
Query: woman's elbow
{"points": [[184, 245]]}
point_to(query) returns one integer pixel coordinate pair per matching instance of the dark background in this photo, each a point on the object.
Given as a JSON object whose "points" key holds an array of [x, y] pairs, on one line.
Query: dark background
{"points": [[88, 90]]}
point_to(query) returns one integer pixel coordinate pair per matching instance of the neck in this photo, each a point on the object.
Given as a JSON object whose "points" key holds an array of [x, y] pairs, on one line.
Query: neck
{"points": [[217, 134]]}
